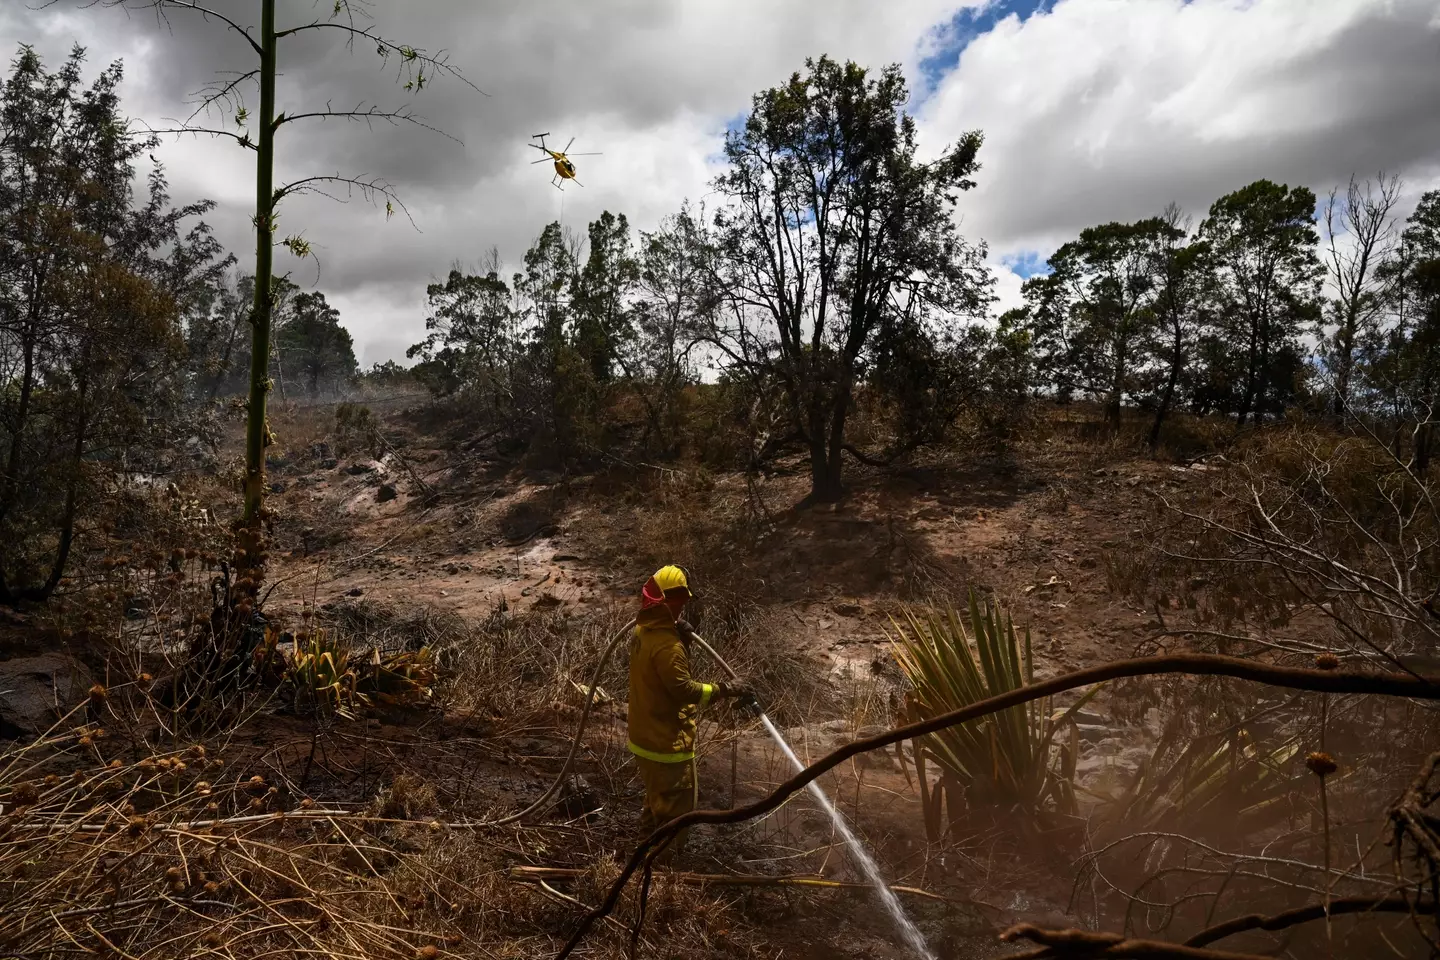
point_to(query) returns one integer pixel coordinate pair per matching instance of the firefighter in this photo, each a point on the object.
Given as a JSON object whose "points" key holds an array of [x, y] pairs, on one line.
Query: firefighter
{"points": [[665, 700]]}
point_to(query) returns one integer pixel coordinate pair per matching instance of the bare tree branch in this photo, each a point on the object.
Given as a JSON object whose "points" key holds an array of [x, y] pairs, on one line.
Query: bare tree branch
{"points": [[1294, 678], [160, 6], [394, 117], [1307, 914], [369, 189], [1085, 945], [386, 48], [220, 92], [242, 139]]}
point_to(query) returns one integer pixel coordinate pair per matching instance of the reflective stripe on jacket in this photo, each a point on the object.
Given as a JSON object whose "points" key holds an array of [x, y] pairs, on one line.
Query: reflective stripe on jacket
{"points": [[664, 698]]}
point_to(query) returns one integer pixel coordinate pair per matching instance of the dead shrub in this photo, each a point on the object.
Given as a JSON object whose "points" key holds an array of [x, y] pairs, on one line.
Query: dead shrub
{"points": [[408, 797]]}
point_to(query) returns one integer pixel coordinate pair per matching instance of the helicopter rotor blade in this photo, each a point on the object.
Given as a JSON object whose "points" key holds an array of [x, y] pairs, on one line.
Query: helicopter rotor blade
{"points": [[584, 154], [537, 136], [541, 160], [567, 146]]}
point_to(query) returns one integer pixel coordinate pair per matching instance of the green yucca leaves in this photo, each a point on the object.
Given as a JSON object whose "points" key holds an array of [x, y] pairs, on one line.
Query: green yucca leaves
{"points": [[1215, 785], [1008, 760], [325, 679]]}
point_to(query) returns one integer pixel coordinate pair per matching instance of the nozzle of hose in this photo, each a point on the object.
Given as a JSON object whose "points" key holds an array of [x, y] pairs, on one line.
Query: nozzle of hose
{"points": [[749, 705]]}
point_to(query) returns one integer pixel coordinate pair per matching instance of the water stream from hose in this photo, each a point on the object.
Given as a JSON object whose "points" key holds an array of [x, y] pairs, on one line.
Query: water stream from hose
{"points": [[908, 930]]}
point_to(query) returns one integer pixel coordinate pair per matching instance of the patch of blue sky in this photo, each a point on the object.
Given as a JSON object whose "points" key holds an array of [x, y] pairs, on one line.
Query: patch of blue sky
{"points": [[733, 124], [1026, 264], [946, 41]]}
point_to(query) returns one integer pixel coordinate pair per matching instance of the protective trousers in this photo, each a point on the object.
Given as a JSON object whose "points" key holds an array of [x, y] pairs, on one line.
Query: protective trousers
{"points": [[670, 790]]}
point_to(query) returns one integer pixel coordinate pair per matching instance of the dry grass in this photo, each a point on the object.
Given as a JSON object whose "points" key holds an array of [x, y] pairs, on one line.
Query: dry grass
{"points": [[179, 853]]}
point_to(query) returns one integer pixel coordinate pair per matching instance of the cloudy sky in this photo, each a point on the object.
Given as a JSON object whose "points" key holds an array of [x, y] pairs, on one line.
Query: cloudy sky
{"points": [[1092, 110]]}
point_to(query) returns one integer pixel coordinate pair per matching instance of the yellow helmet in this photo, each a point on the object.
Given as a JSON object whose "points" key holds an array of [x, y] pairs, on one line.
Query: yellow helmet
{"points": [[672, 578]]}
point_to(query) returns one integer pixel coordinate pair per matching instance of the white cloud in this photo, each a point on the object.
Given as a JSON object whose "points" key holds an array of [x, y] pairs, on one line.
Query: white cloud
{"points": [[1101, 110], [1095, 110], [648, 82]]}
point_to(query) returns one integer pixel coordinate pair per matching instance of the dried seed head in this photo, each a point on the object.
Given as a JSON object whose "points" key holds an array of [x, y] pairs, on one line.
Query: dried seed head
{"points": [[257, 804], [212, 887], [128, 809], [216, 764], [307, 804], [177, 765], [86, 741], [202, 788], [197, 751], [97, 693], [51, 779], [211, 939], [24, 794], [1321, 764], [173, 873], [1327, 661], [435, 826], [146, 678], [212, 808], [257, 781], [116, 764], [427, 952], [163, 763], [147, 765], [137, 826]]}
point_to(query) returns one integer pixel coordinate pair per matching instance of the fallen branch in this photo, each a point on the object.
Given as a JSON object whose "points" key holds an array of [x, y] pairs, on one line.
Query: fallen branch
{"points": [[1078, 944], [1315, 911], [542, 875], [1196, 664]]}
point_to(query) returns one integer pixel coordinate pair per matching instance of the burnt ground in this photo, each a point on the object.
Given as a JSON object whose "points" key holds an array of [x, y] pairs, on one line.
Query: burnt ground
{"points": [[434, 534], [1046, 531]]}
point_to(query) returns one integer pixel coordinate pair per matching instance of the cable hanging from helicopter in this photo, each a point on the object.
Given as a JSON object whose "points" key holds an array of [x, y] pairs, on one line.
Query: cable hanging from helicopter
{"points": [[564, 166]]}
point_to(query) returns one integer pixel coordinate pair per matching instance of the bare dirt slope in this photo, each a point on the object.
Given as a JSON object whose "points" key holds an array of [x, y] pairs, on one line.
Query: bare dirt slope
{"points": [[1050, 531]]}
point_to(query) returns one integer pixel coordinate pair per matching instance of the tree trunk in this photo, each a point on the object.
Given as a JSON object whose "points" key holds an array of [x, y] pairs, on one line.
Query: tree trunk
{"points": [[1117, 390], [1247, 400], [1345, 362], [218, 380], [825, 486], [826, 479], [67, 524], [255, 428], [1166, 399], [22, 413]]}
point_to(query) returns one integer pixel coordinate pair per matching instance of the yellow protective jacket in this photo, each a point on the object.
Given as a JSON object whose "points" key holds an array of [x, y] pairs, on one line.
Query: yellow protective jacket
{"points": [[664, 698]]}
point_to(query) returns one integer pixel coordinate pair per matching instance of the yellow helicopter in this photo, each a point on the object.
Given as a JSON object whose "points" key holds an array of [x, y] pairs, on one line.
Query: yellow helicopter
{"points": [[564, 168]]}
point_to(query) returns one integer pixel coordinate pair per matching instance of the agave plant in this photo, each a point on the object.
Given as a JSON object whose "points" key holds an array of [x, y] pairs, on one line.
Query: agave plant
{"points": [[326, 677], [399, 680], [1218, 785], [1010, 760], [321, 674]]}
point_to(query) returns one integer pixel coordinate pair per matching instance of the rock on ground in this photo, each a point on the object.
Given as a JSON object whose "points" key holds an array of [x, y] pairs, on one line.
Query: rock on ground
{"points": [[36, 691]]}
